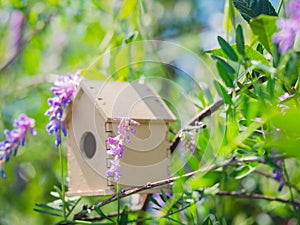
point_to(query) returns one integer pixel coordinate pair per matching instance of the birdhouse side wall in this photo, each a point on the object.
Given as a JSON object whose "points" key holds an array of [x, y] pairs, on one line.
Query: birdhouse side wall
{"points": [[87, 170]]}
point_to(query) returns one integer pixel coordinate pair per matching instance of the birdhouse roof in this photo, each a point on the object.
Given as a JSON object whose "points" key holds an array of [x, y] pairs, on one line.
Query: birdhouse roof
{"points": [[124, 99]]}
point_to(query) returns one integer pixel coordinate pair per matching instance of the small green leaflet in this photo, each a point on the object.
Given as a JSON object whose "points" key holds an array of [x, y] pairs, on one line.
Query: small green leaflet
{"points": [[222, 92], [240, 42], [227, 49]]}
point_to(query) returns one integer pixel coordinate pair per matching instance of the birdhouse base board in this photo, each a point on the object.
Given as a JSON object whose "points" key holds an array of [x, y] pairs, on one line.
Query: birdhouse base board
{"points": [[90, 193], [108, 192]]}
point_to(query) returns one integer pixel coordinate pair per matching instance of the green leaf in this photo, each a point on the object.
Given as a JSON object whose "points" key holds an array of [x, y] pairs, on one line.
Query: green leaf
{"points": [[212, 190], [101, 213], [240, 42], [163, 195], [45, 206], [264, 27], [226, 77], [54, 194], [227, 49], [207, 221], [128, 8], [132, 37], [47, 212], [250, 9], [241, 171], [124, 216], [225, 65], [57, 189], [222, 92], [154, 201], [242, 136]]}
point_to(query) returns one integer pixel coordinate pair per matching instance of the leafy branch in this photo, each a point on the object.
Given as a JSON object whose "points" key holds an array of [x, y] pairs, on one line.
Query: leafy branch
{"points": [[209, 111]]}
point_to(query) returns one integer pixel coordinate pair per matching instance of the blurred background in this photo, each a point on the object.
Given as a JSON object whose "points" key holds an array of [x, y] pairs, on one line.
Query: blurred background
{"points": [[40, 40]]}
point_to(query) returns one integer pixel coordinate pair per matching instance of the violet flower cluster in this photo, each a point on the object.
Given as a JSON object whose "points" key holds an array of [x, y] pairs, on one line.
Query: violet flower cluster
{"points": [[64, 89], [288, 27], [116, 145], [15, 138], [278, 174]]}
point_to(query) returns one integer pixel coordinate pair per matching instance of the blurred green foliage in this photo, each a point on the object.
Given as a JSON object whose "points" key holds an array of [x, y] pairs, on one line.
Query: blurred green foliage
{"points": [[112, 40]]}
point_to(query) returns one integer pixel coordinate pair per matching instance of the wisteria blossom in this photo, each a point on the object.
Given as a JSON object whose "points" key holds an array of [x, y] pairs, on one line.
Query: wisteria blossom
{"points": [[116, 145], [15, 138], [293, 9], [288, 27], [278, 174], [64, 88]]}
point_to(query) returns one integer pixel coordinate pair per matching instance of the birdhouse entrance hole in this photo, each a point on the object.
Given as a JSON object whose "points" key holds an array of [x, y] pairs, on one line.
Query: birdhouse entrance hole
{"points": [[88, 144]]}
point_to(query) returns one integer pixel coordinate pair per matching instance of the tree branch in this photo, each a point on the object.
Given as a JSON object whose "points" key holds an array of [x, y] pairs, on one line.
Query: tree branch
{"points": [[231, 162]]}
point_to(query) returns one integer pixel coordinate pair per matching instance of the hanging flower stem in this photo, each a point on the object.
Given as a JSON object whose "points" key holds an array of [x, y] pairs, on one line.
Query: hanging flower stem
{"points": [[62, 177], [287, 177], [118, 202]]}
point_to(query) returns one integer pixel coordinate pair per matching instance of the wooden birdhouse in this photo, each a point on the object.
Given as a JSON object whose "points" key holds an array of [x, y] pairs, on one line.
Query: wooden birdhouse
{"points": [[145, 159]]}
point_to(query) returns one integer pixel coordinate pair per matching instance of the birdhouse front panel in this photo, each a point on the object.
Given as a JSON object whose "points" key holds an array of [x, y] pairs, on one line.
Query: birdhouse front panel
{"points": [[145, 159]]}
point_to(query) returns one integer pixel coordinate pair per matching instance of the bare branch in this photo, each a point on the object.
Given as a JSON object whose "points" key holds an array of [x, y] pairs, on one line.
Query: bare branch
{"points": [[231, 162]]}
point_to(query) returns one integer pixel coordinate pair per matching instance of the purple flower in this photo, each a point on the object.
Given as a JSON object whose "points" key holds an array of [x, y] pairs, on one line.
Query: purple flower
{"points": [[116, 147], [278, 175], [293, 9], [15, 138], [288, 27], [284, 96], [286, 36], [65, 87], [114, 170]]}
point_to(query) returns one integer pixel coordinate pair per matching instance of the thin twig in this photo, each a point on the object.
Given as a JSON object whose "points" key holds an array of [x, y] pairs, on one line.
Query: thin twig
{"points": [[231, 162], [204, 113], [272, 177], [257, 196], [35, 32]]}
